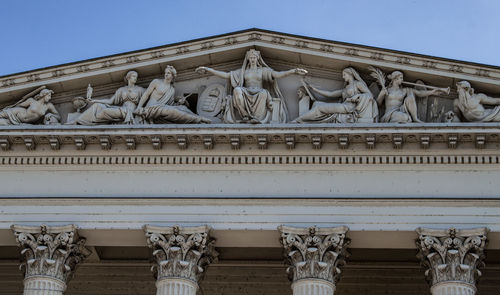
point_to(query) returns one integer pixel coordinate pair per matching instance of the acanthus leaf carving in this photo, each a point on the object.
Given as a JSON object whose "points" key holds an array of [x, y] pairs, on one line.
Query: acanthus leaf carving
{"points": [[181, 252], [452, 255], [313, 252], [50, 251]]}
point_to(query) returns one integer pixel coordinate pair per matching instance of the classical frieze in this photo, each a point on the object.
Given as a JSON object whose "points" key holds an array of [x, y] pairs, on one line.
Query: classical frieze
{"points": [[453, 255], [251, 94], [52, 252], [314, 253], [180, 252]]}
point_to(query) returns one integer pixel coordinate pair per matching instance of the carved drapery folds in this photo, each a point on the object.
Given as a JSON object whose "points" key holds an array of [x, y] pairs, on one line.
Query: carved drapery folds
{"points": [[49, 253], [452, 257], [180, 252], [314, 253]]}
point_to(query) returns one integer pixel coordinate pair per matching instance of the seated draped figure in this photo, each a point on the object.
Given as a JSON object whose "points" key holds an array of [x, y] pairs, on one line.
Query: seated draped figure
{"points": [[31, 110], [117, 109], [162, 107], [357, 104], [255, 91], [470, 105], [400, 102]]}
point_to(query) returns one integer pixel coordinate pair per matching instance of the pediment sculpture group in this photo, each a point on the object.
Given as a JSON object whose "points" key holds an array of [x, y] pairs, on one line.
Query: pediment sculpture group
{"points": [[252, 95]]}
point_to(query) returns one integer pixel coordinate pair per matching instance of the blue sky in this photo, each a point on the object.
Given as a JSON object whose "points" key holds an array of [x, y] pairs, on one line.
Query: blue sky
{"points": [[39, 33]]}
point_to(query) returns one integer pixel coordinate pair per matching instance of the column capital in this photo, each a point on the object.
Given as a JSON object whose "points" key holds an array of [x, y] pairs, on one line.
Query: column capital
{"points": [[180, 252], [452, 255], [314, 253], [52, 252]]}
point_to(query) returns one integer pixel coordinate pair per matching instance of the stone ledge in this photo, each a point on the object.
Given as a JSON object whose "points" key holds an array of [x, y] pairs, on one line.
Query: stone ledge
{"points": [[261, 136]]}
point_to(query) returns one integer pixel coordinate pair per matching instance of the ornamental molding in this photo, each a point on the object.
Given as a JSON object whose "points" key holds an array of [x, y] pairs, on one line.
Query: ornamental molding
{"points": [[249, 38], [382, 136], [314, 253], [452, 255], [180, 252], [53, 252]]}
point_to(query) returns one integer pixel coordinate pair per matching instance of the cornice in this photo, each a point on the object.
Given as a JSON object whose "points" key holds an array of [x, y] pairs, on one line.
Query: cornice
{"points": [[280, 144], [254, 37]]}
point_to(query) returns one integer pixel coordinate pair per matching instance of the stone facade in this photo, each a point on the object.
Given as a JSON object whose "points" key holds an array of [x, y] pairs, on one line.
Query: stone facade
{"points": [[266, 150]]}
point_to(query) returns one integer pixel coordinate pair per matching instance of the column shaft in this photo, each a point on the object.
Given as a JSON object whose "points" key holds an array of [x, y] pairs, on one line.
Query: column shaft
{"points": [[313, 287], [39, 285], [176, 286], [453, 288]]}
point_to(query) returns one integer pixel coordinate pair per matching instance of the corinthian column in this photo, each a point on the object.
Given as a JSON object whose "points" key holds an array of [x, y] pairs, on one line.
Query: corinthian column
{"points": [[314, 255], [49, 257], [452, 258], [181, 256]]}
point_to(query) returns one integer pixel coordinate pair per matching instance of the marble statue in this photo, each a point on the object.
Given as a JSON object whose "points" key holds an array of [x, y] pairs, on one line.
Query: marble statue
{"points": [[255, 91], [31, 110], [471, 105], [304, 100], [117, 109], [357, 103], [400, 102], [162, 107]]}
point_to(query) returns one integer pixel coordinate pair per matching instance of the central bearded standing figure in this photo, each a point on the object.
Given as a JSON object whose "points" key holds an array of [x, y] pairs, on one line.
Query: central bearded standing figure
{"points": [[254, 87], [162, 107]]}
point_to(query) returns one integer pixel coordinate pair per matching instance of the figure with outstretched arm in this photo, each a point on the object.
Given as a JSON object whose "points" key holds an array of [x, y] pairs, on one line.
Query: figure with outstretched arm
{"points": [[357, 104], [254, 87], [158, 104], [118, 108], [400, 102]]}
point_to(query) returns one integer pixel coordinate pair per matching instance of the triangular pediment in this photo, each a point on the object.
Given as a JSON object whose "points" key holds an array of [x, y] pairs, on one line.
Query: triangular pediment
{"points": [[320, 57], [324, 60]]}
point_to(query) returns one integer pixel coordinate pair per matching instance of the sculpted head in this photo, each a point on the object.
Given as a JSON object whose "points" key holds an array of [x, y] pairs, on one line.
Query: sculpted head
{"points": [[253, 57], [348, 74], [170, 74], [45, 94], [465, 86], [396, 77], [131, 77]]}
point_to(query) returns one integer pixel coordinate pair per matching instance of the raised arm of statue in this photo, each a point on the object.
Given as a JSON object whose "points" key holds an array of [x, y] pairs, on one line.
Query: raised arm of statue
{"points": [[110, 100], [381, 96], [485, 99], [282, 74], [145, 96], [26, 103], [326, 93], [424, 93], [221, 74]]}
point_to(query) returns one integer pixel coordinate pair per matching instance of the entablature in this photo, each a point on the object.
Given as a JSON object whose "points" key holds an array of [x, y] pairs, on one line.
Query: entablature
{"points": [[462, 136]]}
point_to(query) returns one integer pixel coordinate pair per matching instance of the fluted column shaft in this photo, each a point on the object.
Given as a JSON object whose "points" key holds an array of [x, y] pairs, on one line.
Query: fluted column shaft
{"points": [[181, 256], [38, 285], [176, 286], [313, 287], [452, 259], [453, 288], [315, 256], [49, 257]]}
